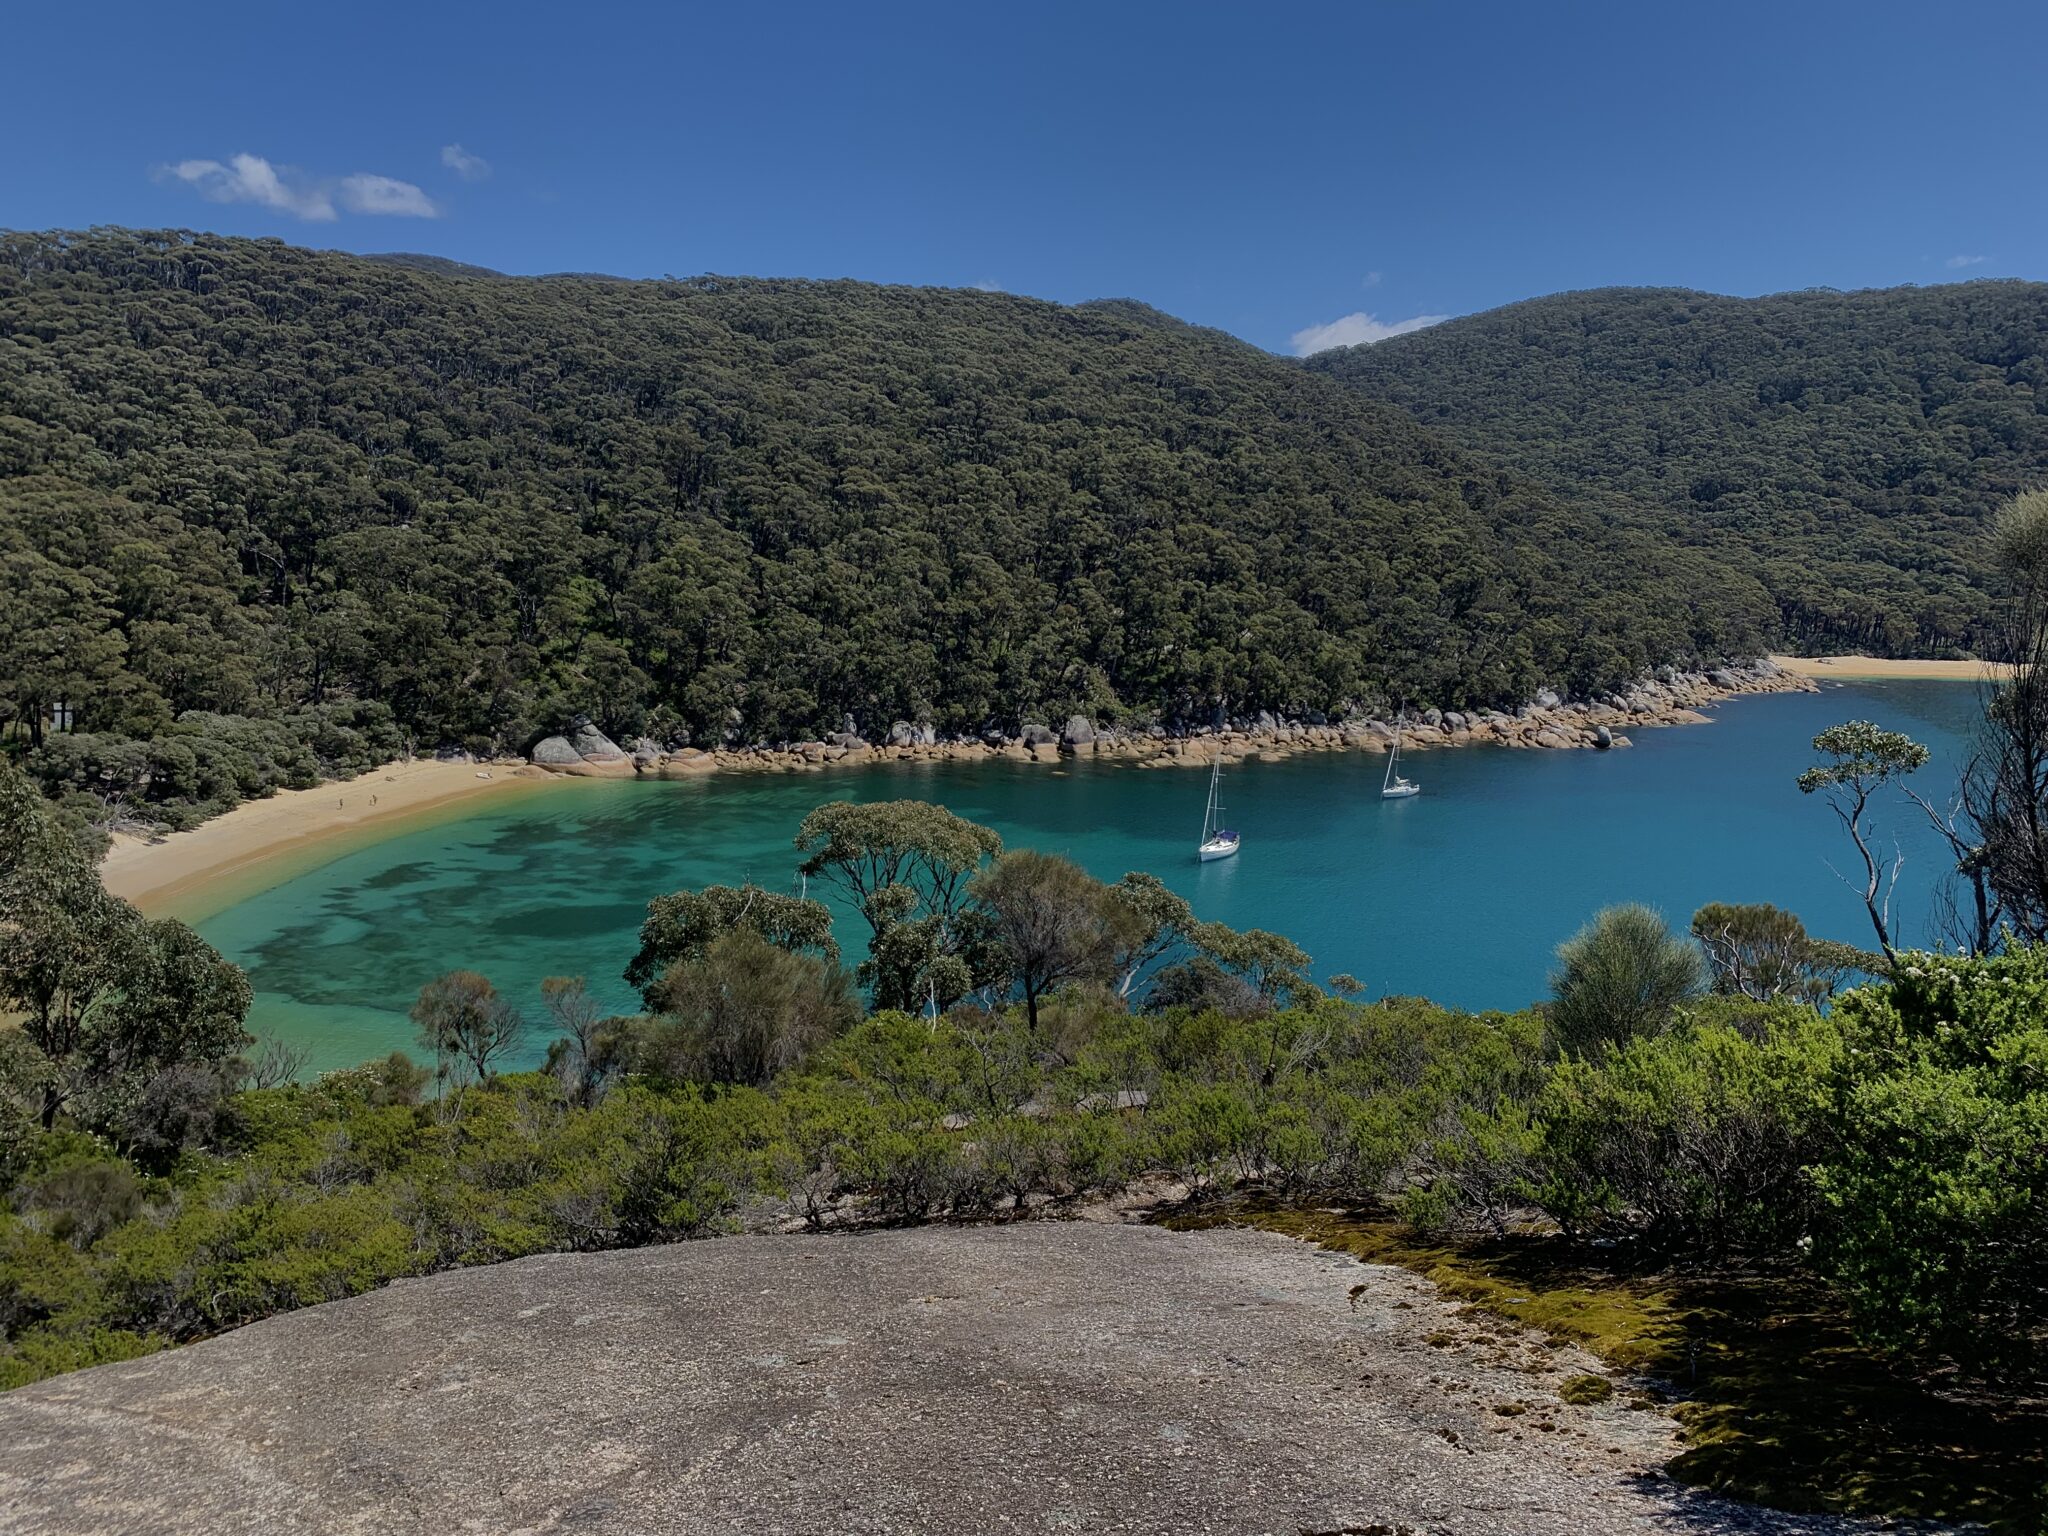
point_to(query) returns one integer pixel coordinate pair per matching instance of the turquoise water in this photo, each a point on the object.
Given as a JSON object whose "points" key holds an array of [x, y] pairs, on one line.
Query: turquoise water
{"points": [[1460, 894]]}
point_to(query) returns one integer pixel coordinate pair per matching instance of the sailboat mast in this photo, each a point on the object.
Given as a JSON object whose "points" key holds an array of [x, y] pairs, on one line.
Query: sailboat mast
{"points": [[1218, 842]]}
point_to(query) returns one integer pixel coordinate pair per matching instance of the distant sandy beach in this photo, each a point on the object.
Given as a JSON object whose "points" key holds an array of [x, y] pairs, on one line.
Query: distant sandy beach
{"points": [[166, 875], [1866, 668]]}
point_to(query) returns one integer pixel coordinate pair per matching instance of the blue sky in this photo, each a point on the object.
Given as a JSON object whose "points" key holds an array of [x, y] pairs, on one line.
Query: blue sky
{"points": [[1280, 171]]}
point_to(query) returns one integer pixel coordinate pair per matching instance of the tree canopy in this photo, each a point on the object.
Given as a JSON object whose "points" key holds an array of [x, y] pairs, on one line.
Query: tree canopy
{"points": [[683, 925], [268, 511], [1843, 449], [123, 1022]]}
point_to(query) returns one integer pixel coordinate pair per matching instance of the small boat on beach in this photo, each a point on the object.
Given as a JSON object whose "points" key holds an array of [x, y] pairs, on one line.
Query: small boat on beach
{"points": [[1218, 841]]}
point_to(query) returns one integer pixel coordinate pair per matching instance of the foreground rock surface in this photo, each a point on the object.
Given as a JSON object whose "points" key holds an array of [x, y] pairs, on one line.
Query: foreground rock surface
{"points": [[1038, 1377]]}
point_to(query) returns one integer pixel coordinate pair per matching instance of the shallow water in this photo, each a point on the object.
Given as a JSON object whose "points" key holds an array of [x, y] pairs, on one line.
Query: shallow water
{"points": [[1461, 893]]}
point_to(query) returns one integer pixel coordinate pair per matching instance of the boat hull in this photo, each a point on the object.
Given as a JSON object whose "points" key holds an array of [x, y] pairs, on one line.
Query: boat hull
{"points": [[1216, 849]]}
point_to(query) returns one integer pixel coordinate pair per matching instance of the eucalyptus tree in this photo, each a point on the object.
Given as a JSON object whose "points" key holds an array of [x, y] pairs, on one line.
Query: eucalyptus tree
{"points": [[1272, 965], [1860, 758], [2005, 797], [1054, 923], [681, 926], [1765, 954], [906, 866], [1162, 924], [590, 1051], [467, 1025], [867, 849]]}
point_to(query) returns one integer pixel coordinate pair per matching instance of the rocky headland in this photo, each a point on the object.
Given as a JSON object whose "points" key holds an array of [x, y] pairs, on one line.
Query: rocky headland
{"points": [[1548, 722]]}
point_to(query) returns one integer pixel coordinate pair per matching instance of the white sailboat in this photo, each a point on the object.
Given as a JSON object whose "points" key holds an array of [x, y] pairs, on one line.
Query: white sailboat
{"points": [[1395, 787], [1218, 841]]}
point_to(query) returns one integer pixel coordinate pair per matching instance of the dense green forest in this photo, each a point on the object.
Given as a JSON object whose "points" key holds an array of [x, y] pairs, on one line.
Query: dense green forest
{"points": [[1843, 449], [269, 513], [263, 504]]}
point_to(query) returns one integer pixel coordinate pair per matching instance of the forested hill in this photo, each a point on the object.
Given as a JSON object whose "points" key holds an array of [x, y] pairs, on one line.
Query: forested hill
{"points": [[1843, 448], [243, 478]]}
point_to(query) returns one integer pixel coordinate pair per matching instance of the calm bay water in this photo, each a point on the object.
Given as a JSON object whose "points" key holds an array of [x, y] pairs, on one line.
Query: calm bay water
{"points": [[1460, 894]]}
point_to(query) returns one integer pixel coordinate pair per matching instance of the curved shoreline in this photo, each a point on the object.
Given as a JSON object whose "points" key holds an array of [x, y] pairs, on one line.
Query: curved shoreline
{"points": [[1674, 698], [194, 874], [262, 843]]}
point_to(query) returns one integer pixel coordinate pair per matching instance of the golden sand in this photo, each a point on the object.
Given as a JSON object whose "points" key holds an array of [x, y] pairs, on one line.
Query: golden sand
{"points": [[1852, 668], [232, 856]]}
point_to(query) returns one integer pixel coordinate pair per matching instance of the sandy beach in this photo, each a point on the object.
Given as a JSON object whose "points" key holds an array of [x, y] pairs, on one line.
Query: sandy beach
{"points": [[165, 875], [1846, 668]]}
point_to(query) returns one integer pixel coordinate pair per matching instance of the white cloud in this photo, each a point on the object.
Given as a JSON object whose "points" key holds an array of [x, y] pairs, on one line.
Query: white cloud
{"points": [[1371, 280], [363, 193], [988, 285], [252, 179], [247, 178], [464, 164], [1355, 328], [1957, 263]]}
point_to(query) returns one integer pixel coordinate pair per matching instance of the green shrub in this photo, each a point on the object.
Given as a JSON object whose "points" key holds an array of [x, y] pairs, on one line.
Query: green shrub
{"points": [[1619, 977], [1902, 1134], [1936, 1188], [693, 1161], [1691, 1143]]}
